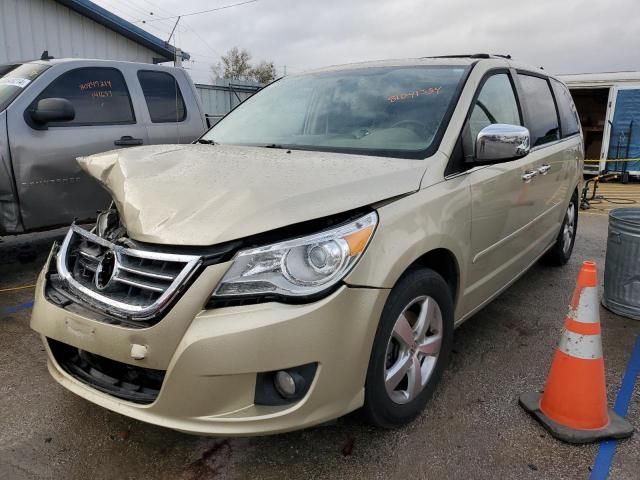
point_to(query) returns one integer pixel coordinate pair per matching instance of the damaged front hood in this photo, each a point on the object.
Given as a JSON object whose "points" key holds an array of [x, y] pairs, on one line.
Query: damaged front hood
{"points": [[207, 194]]}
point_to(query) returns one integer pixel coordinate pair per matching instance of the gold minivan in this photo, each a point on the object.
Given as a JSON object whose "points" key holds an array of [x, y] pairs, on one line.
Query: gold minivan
{"points": [[313, 252]]}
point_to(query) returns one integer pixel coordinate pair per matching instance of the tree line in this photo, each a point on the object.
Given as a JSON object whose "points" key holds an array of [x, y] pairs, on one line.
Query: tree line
{"points": [[236, 65]]}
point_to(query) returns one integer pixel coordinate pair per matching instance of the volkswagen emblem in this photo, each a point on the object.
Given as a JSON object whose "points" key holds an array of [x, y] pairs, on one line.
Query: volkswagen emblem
{"points": [[106, 270]]}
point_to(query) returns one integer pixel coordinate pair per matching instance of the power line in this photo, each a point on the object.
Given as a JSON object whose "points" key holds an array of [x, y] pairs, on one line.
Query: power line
{"points": [[158, 7], [197, 13], [195, 67], [204, 56], [119, 7], [131, 6], [185, 26], [169, 26], [195, 32]]}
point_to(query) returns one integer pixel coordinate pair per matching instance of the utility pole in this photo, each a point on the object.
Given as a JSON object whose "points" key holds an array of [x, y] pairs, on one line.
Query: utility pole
{"points": [[178, 60], [173, 30]]}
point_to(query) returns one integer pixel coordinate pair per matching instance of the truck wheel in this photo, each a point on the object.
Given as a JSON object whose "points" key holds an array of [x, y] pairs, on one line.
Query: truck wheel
{"points": [[411, 349], [561, 251]]}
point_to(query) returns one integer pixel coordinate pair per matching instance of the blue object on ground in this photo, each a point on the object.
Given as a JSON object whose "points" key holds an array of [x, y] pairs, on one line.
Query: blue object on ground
{"points": [[607, 448]]}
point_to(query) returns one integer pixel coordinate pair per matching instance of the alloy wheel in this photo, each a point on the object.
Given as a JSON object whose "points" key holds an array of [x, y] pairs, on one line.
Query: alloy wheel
{"points": [[569, 228], [413, 349]]}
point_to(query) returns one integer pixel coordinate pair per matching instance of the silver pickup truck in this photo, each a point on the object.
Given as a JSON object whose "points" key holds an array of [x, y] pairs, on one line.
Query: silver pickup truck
{"points": [[52, 111]]}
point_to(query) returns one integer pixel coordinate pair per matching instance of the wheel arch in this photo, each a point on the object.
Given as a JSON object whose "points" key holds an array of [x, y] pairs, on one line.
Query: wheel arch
{"points": [[443, 262]]}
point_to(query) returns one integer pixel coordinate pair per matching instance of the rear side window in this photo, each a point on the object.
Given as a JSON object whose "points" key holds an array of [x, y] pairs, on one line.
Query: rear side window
{"points": [[163, 96], [568, 114], [541, 110], [98, 95], [496, 103]]}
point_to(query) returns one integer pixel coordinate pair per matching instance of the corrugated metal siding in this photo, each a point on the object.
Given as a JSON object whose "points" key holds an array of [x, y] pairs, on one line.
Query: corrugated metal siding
{"points": [[27, 27], [224, 95], [625, 130]]}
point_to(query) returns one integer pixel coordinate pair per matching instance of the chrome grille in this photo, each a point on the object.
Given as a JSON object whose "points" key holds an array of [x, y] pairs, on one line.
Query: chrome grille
{"points": [[124, 281]]}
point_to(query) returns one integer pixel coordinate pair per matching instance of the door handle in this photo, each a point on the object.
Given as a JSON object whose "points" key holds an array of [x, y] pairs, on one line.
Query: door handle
{"points": [[128, 141], [544, 169], [528, 176]]}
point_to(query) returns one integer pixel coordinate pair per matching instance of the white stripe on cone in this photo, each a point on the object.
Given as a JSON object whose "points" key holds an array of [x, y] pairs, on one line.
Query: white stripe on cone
{"points": [[588, 307], [586, 347]]}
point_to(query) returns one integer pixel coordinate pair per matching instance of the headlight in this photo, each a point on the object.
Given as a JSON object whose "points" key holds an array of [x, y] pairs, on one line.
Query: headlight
{"points": [[300, 267]]}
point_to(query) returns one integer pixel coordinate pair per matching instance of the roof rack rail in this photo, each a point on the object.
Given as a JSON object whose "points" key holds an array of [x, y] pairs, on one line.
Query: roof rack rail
{"points": [[472, 55]]}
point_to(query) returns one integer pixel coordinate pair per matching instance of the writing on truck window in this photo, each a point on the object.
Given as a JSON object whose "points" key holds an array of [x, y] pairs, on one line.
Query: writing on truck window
{"points": [[95, 84], [98, 88], [416, 93]]}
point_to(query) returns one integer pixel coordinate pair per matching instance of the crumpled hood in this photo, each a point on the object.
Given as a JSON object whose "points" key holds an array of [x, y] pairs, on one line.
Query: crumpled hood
{"points": [[207, 194]]}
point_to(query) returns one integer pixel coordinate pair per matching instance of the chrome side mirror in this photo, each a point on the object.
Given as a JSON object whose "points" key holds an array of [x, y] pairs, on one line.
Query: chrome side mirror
{"points": [[500, 142]]}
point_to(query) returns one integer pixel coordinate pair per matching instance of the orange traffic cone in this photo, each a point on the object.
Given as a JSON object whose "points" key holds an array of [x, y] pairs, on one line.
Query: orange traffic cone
{"points": [[574, 404]]}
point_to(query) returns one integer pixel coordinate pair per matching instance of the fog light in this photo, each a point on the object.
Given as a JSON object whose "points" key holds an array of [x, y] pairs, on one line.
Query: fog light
{"points": [[283, 387], [285, 384]]}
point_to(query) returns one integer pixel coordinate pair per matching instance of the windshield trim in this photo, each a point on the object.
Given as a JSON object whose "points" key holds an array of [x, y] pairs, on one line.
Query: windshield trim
{"points": [[390, 153]]}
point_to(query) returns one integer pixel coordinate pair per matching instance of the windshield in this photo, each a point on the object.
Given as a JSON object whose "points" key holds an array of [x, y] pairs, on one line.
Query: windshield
{"points": [[15, 78], [388, 111]]}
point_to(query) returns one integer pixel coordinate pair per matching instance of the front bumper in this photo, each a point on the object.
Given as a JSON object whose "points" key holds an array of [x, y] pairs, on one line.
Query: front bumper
{"points": [[212, 357]]}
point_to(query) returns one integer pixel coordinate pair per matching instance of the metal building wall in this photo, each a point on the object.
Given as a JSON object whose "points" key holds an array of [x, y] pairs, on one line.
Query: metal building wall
{"points": [[224, 95], [27, 27]]}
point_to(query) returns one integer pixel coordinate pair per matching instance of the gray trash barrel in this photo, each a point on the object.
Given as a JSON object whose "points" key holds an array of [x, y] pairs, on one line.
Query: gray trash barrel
{"points": [[622, 265]]}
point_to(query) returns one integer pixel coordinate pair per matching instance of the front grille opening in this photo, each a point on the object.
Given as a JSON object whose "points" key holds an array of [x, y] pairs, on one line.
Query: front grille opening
{"points": [[138, 281], [135, 286], [121, 380]]}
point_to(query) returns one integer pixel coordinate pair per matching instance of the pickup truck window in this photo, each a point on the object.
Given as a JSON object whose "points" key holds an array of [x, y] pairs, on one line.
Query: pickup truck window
{"points": [[163, 96], [15, 78], [99, 96], [388, 111]]}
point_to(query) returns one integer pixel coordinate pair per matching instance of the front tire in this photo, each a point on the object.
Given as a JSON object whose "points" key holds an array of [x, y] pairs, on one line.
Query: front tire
{"points": [[561, 251], [411, 349]]}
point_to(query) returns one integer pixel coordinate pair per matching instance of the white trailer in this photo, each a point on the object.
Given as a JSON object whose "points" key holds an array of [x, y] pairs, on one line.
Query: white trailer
{"points": [[609, 108]]}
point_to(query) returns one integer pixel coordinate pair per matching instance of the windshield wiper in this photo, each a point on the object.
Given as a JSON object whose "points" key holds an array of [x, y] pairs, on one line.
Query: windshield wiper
{"points": [[206, 141]]}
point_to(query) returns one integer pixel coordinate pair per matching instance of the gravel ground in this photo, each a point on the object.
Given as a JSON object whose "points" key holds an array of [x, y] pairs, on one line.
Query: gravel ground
{"points": [[472, 428]]}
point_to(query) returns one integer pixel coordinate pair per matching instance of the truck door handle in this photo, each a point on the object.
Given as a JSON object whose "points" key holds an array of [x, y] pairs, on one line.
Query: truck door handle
{"points": [[544, 169], [528, 176], [128, 141]]}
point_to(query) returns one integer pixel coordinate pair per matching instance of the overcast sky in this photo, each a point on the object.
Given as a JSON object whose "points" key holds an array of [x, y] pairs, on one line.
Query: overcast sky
{"points": [[563, 36]]}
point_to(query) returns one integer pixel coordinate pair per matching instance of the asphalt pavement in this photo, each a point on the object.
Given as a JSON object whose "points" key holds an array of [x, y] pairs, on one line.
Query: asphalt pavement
{"points": [[473, 427]]}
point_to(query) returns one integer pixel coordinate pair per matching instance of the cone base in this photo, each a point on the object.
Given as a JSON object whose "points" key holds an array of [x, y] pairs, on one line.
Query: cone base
{"points": [[618, 427]]}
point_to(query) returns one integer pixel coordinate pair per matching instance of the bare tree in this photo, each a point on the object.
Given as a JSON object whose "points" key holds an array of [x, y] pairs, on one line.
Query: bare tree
{"points": [[216, 72], [264, 72], [236, 65]]}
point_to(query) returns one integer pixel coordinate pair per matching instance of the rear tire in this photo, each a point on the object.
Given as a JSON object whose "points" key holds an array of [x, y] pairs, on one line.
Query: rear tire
{"points": [[561, 251], [411, 349]]}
